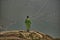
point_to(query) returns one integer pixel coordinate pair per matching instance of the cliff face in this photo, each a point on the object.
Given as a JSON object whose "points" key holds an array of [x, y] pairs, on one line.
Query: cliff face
{"points": [[23, 35]]}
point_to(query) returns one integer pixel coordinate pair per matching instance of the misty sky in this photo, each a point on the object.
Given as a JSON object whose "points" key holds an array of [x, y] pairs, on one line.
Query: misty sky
{"points": [[44, 15]]}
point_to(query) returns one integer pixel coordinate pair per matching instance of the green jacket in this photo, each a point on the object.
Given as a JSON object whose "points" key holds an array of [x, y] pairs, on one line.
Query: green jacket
{"points": [[27, 21]]}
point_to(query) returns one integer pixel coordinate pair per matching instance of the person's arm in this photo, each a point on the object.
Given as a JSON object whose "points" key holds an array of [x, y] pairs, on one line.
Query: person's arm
{"points": [[30, 21]]}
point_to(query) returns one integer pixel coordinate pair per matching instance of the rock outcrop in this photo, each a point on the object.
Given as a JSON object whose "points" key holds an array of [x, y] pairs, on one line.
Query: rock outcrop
{"points": [[23, 35]]}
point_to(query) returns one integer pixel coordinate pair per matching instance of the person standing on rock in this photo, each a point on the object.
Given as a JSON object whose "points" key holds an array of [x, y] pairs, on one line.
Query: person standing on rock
{"points": [[28, 23]]}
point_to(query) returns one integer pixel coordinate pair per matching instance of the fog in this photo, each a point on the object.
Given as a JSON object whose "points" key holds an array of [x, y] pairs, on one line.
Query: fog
{"points": [[44, 15]]}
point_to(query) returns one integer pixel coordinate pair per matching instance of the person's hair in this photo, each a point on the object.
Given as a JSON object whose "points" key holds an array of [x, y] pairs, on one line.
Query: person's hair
{"points": [[27, 16]]}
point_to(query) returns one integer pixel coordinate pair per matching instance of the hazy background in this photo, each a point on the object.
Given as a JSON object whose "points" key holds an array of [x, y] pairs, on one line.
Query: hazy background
{"points": [[44, 15]]}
